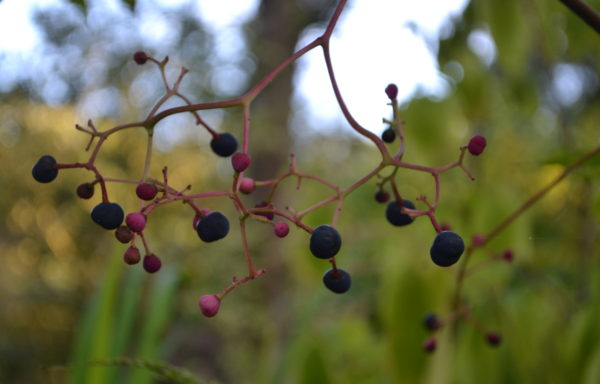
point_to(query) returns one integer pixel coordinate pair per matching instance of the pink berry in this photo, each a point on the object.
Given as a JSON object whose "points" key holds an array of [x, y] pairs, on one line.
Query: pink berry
{"points": [[391, 91], [240, 161], [478, 239], [508, 255], [136, 221], [281, 229], [209, 305], [132, 256], [152, 263], [146, 191], [140, 57], [429, 345], [477, 145], [247, 185]]}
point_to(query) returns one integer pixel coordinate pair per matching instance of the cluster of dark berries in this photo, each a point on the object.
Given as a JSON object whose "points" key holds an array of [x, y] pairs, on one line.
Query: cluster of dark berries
{"points": [[325, 243]]}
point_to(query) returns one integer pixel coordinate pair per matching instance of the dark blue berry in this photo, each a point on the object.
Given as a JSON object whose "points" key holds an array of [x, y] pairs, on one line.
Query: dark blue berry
{"points": [[325, 242], [337, 280], [447, 248], [431, 322], [389, 135], [108, 215], [213, 227], [85, 190], [224, 144], [394, 214], [44, 171]]}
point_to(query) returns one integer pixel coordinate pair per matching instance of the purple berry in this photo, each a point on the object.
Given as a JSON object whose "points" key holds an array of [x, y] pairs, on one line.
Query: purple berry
{"points": [[209, 305], [382, 196], [391, 91], [240, 161], [44, 170], [152, 263], [508, 255], [337, 280], [247, 185], [430, 345], [493, 338], [477, 145], [394, 213], [213, 227], [146, 191], [85, 190], [224, 144], [124, 234], [132, 256], [325, 241], [281, 229], [447, 248], [108, 215], [140, 57], [136, 221]]}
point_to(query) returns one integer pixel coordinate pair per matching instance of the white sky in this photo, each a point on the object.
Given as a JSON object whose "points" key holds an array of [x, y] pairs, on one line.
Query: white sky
{"points": [[376, 42]]}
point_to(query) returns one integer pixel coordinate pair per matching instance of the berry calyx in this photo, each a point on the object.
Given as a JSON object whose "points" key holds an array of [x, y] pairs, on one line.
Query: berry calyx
{"points": [[108, 215], [382, 196], [476, 145], [152, 263], [132, 256], [430, 345], [213, 227], [247, 185], [140, 57], [281, 229], [431, 322], [493, 338], [124, 234], [209, 305], [43, 170], [337, 280], [224, 144], [391, 91], [389, 135], [136, 221], [240, 161], [268, 215], [394, 213], [85, 190], [325, 241], [447, 248], [146, 191]]}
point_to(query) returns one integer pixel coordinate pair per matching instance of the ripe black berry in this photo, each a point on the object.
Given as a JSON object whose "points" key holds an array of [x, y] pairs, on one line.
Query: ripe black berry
{"points": [[337, 280], [213, 227], [446, 248], [44, 171], [394, 214], [224, 144], [389, 135], [85, 190], [108, 215], [325, 242], [382, 196], [431, 322]]}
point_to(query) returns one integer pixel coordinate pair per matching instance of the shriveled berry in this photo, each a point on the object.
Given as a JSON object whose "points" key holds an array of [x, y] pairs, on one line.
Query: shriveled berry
{"points": [[508, 255], [140, 57], [281, 229], [394, 213], [132, 256], [209, 305], [43, 170], [430, 345], [146, 191], [213, 227], [136, 221], [85, 190], [447, 248], [108, 215], [431, 322], [247, 185], [240, 161], [264, 204], [389, 135], [382, 196], [391, 91], [124, 234], [152, 263], [493, 338], [477, 145], [325, 241], [337, 280], [224, 144]]}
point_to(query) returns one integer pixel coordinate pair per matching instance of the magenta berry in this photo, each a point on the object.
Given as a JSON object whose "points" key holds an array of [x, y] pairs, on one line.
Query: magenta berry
{"points": [[124, 234], [136, 221], [391, 91], [382, 196], [240, 161], [247, 185], [146, 191], [85, 190], [132, 255], [430, 345], [44, 170], [477, 145], [508, 255], [477, 239], [140, 57], [209, 305], [493, 338], [152, 263], [281, 229]]}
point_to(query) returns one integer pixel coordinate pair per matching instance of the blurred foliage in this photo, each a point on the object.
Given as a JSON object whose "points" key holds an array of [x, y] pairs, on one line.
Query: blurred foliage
{"points": [[68, 300]]}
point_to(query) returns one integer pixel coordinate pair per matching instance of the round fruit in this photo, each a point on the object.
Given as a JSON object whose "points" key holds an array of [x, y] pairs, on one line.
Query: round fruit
{"points": [[389, 135], [477, 145], [394, 213], [382, 196], [429, 345], [140, 57], [132, 255], [391, 91], [337, 280], [85, 190], [268, 215], [209, 305], [240, 161], [152, 263], [281, 229], [431, 322], [325, 241], [124, 234], [43, 170], [213, 227], [146, 191], [136, 221], [108, 215], [247, 185], [224, 144], [493, 338], [447, 248]]}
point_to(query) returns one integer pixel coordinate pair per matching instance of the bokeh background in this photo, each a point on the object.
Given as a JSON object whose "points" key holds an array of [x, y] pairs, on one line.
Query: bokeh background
{"points": [[524, 74]]}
